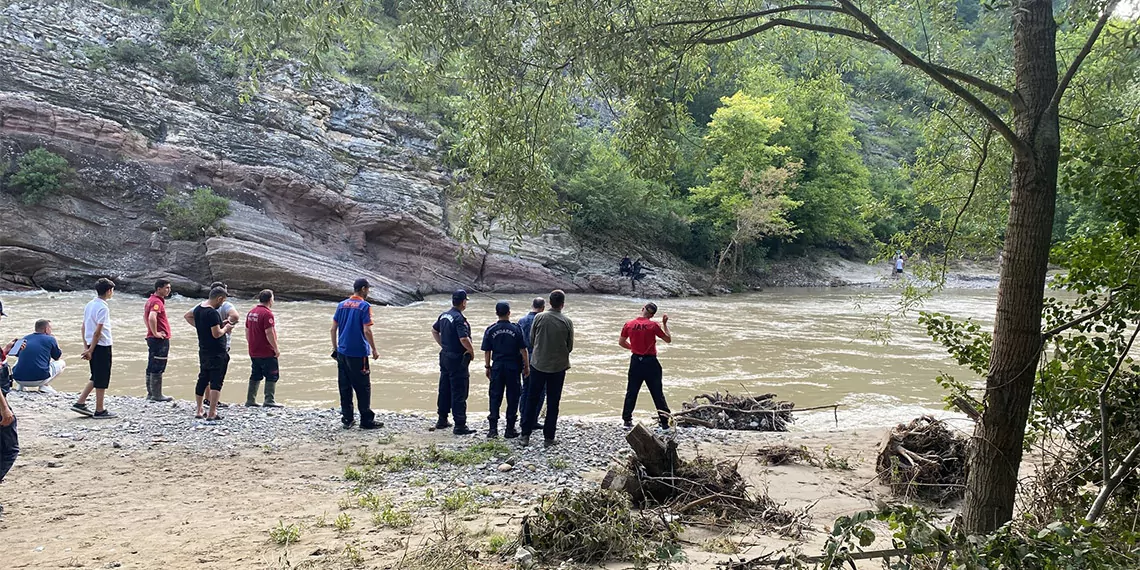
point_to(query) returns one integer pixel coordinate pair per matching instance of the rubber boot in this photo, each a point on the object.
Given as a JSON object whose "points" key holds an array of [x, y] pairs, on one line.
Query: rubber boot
{"points": [[494, 431], [251, 394], [271, 395], [150, 386], [511, 431], [156, 391]]}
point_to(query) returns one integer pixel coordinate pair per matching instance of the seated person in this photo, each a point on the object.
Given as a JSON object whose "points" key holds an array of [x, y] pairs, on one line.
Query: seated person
{"points": [[38, 358]]}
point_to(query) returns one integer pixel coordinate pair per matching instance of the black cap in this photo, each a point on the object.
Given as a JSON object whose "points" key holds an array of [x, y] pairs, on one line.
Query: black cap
{"points": [[360, 284], [2, 313], [458, 297], [502, 308]]}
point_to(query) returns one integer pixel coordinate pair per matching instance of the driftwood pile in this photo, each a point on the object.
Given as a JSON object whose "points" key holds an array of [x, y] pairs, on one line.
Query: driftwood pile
{"points": [[924, 460], [758, 413], [656, 477]]}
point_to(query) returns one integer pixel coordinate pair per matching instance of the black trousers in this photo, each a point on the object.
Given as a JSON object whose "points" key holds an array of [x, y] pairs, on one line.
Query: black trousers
{"points": [[264, 368], [644, 369], [550, 383], [212, 370], [157, 349], [505, 379], [354, 375], [9, 448], [454, 385]]}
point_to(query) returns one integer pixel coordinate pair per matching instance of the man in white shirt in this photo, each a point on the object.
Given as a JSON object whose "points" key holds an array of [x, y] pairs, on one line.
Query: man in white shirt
{"points": [[97, 349]]}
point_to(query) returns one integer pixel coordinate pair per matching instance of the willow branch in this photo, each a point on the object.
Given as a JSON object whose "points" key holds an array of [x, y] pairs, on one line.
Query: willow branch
{"points": [[751, 15], [909, 58], [969, 198], [788, 24], [1055, 102], [976, 81]]}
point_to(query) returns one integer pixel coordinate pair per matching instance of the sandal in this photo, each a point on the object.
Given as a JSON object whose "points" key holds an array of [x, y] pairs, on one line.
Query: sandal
{"points": [[216, 418]]}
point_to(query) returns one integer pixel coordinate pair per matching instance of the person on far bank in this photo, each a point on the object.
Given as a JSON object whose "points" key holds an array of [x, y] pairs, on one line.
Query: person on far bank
{"points": [[552, 338], [506, 359], [39, 359], [639, 336], [213, 360], [453, 335], [352, 342], [537, 306], [261, 335], [157, 340], [96, 331], [899, 261]]}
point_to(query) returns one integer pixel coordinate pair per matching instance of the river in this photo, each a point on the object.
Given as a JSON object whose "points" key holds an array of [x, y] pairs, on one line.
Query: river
{"points": [[810, 346]]}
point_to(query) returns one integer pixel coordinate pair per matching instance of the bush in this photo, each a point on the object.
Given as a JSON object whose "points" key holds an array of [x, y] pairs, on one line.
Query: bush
{"points": [[39, 174], [184, 68], [185, 28], [193, 217], [127, 52]]}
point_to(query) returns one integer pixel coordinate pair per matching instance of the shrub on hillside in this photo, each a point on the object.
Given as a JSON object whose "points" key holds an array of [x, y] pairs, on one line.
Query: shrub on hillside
{"points": [[39, 173], [184, 68], [194, 216], [128, 52]]}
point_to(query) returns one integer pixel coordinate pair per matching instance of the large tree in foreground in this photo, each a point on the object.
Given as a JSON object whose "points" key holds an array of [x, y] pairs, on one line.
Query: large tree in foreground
{"points": [[529, 65]]}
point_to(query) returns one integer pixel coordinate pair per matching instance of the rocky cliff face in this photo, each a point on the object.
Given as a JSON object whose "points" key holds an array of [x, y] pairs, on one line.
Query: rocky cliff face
{"points": [[326, 181]]}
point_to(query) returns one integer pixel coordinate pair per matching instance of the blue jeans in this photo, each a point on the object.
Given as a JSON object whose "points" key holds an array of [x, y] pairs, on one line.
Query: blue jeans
{"points": [[9, 448]]}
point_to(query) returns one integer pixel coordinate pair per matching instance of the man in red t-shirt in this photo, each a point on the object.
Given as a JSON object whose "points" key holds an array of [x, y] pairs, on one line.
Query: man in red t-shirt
{"points": [[640, 337], [261, 334], [157, 340]]}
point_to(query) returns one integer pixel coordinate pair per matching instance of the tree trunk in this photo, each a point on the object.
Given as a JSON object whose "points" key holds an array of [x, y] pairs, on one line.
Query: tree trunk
{"points": [[996, 451]]}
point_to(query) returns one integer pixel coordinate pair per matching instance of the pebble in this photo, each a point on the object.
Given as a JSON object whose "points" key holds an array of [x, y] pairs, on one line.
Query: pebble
{"points": [[506, 467]]}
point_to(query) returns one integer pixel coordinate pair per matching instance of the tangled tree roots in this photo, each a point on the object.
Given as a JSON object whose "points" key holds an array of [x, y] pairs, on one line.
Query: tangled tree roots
{"points": [[782, 454], [657, 478], [924, 460], [597, 525], [758, 413]]}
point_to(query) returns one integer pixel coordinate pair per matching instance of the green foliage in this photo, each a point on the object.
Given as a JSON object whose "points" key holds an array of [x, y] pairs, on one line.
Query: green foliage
{"points": [[39, 174], [460, 500], [343, 522], [185, 27], [195, 216], [391, 517], [285, 534], [184, 69], [128, 52]]}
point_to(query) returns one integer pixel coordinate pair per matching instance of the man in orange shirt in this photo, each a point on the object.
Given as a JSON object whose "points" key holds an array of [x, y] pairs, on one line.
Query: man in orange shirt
{"points": [[640, 336]]}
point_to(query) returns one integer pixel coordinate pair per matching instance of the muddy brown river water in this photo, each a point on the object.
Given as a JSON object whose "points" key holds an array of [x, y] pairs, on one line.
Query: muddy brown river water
{"points": [[810, 346]]}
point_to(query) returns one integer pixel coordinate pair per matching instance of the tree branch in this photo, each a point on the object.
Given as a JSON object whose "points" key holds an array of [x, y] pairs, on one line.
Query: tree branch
{"points": [[789, 24], [973, 189], [907, 57], [978, 82], [1102, 399], [751, 15], [1055, 102], [1066, 326]]}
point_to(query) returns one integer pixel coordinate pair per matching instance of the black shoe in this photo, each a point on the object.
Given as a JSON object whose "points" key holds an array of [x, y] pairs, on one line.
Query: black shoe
{"points": [[272, 405], [442, 424], [549, 443], [252, 405], [347, 423], [524, 440], [511, 433], [207, 403], [629, 424], [82, 409], [373, 425], [104, 415], [493, 433], [463, 430]]}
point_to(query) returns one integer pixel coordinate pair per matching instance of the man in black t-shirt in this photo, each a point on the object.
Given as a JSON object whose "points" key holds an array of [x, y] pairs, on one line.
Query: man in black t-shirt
{"points": [[505, 355], [213, 358]]}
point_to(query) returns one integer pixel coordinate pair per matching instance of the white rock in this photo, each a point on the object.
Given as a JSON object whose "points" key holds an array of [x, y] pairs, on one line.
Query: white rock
{"points": [[506, 467]]}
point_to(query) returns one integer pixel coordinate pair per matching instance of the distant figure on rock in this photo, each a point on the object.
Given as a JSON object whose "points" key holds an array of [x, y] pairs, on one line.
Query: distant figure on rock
{"points": [[96, 332], [537, 306], [261, 336], [636, 274], [352, 342], [213, 360], [639, 336], [900, 259], [38, 359], [157, 340], [453, 335], [506, 361], [624, 268], [552, 337]]}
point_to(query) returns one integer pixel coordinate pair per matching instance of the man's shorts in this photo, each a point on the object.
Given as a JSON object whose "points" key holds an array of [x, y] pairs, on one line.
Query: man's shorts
{"points": [[101, 367], [214, 369]]}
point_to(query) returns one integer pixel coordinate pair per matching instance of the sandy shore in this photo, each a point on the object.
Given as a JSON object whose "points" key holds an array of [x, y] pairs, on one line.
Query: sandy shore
{"points": [[157, 489]]}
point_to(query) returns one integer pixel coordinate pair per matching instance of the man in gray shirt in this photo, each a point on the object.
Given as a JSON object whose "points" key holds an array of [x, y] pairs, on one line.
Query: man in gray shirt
{"points": [[551, 339]]}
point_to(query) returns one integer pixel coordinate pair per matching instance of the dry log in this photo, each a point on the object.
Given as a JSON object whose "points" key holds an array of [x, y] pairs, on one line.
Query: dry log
{"points": [[656, 456]]}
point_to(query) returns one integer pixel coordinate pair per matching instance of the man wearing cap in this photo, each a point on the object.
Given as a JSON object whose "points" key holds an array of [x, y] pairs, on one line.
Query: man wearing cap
{"points": [[552, 337], [352, 343], [453, 335], [538, 305], [639, 336], [505, 356], [9, 440]]}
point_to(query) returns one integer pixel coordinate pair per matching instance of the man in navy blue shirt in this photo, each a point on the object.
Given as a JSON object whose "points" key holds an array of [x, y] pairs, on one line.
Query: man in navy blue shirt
{"points": [[505, 356], [38, 354], [352, 343], [453, 335], [538, 305]]}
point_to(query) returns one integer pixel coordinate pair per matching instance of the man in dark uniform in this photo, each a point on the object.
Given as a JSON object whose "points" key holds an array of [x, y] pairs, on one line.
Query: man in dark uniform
{"points": [[505, 356], [453, 335], [625, 267], [538, 305]]}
